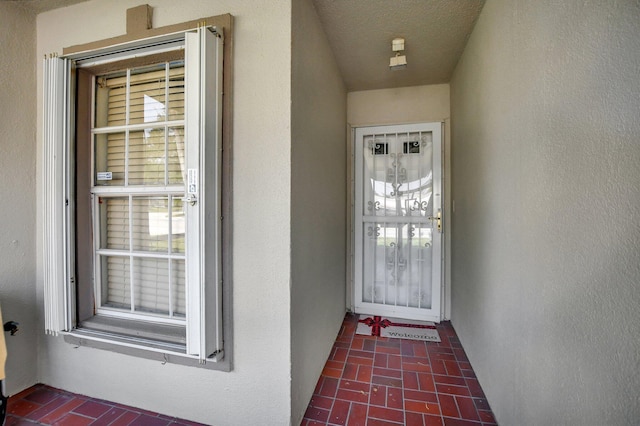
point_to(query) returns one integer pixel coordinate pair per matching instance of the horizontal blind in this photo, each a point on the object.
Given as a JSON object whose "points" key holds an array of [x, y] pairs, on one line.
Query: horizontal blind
{"points": [[150, 87]]}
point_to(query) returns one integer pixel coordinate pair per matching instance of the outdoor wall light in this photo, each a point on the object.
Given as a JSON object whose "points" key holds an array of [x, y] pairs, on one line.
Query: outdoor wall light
{"points": [[399, 61]]}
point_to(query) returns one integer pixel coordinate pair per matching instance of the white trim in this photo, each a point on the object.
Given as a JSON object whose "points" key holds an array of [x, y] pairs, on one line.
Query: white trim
{"points": [[134, 127], [86, 334], [127, 314], [160, 190]]}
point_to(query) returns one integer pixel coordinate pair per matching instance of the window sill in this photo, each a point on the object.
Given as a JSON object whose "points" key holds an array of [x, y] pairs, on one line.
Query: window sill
{"points": [[157, 342]]}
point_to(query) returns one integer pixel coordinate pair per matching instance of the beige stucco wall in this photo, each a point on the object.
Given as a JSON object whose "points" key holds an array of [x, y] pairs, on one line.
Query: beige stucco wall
{"points": [[546, 183], [417, 104], [318, 199], [18, 191], [257, 391]]}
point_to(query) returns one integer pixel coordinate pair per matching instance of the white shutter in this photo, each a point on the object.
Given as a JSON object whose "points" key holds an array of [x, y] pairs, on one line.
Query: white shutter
{"points": [[54, 191], [203, 95]]}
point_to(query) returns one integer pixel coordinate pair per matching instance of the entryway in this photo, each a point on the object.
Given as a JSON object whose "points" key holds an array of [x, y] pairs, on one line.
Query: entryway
{"points": [[380, 381], [398, 221]]}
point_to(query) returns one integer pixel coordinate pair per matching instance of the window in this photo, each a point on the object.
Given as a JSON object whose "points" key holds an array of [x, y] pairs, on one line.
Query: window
{"points": [[132, 196]]}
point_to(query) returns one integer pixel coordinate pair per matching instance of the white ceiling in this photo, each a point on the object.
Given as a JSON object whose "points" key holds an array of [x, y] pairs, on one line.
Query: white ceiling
{"points": [[360, 34]]}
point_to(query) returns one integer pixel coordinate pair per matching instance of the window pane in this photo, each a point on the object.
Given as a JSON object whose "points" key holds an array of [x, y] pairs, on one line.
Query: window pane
{"points": [[146, 157], [176, 91], [110, 151], [116, 283], [177, 225], [114, 222], [178, 288], [151, 284], [111, 100], [151, 224], [175, 160], [147, 92]]}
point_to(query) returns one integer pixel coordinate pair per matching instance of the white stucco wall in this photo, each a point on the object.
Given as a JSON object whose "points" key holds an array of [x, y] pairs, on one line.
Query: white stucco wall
{"points": [[257, 391], [546, 183], [417, 104], [318, 199], [18, 192]]}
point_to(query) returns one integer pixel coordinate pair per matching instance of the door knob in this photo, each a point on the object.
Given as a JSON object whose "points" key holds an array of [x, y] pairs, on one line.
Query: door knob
{"points": [[438, 219]]}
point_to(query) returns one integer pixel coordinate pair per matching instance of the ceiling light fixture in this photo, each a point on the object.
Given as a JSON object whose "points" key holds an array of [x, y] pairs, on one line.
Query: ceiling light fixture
{"points": [[399, 61]]}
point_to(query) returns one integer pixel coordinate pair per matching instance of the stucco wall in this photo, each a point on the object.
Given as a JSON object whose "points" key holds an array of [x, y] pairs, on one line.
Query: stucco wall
{"points": [[546, 183], [258, 389], [18, 191], [318, 198], [417, 104]]}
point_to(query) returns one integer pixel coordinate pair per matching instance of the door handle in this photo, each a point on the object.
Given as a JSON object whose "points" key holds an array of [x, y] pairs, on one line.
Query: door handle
{"points": [[438, 219], [191, 199]]}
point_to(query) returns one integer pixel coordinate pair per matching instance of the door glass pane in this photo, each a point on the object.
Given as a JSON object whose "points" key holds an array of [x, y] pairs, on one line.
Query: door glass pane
{"points": [[397, 186], [415, 174], [379, 176], [414, 266], [398, 176], [151, 284], [398, 267], [379, 251]]}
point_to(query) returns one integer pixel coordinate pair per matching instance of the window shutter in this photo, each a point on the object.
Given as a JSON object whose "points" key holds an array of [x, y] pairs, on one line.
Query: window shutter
{"points": [[55, 196], [203, 87]]}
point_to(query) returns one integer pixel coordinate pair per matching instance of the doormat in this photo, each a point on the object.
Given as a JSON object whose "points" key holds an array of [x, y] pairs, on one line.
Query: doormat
{"points": [[373, 325]]}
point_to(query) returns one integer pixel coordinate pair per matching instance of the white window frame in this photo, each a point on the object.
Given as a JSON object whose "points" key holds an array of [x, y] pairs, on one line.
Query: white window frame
{"points": [[203, 124]]}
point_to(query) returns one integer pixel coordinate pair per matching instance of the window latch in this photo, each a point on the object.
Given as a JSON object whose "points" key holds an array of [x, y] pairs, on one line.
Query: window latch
{"points": [[191, 199]]}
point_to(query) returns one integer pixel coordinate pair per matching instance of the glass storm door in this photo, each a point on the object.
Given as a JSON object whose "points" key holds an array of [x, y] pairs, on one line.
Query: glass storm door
{"points": [[398, 221]]}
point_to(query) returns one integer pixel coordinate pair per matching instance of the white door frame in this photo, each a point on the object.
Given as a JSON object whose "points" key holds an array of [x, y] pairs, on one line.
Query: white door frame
{"points": [[354, 264]]}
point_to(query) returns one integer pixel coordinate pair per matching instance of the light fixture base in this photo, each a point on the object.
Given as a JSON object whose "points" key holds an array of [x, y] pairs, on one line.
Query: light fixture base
{"points": [[398, 62], [397, 44]]}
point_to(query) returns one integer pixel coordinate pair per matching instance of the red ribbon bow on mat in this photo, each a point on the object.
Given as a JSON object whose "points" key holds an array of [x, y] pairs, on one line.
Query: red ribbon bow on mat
{"points": [[377, 323]]}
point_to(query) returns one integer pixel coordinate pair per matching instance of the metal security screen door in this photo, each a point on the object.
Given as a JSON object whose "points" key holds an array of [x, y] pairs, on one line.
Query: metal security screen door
{"points": [[398, 221]]}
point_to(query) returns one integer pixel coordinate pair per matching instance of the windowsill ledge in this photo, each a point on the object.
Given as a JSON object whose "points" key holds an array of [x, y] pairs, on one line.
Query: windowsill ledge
{"points": [[149, 341]]}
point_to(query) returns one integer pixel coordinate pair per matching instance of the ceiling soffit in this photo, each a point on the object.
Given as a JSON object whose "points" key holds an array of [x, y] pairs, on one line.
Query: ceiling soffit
{"points": [[360, 34]]}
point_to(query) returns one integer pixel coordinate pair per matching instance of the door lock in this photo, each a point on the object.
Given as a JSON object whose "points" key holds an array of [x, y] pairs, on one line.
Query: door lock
{"points": [[438, 219]]}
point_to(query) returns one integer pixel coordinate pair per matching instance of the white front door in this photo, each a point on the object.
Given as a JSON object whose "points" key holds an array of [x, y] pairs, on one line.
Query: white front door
{"points": [[398, 221]]}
